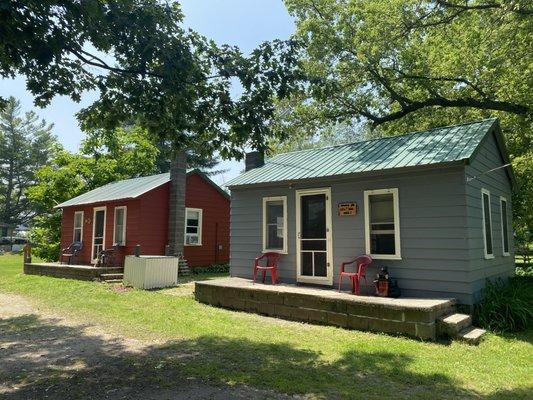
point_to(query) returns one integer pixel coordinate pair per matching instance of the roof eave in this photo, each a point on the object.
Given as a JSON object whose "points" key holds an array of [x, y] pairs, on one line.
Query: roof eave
{"points": [[354, 174]]}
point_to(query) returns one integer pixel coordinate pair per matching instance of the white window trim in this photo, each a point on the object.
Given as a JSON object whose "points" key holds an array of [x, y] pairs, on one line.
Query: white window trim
{"points": [[487, 255], [81, 228], [95, 209], [285, 236], [200, 223], [124, 223], [506, 222], [397, 242]]}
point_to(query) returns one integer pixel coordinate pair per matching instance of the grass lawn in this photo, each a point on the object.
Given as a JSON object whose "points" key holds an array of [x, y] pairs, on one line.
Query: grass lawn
{"points": [[239, 348]]}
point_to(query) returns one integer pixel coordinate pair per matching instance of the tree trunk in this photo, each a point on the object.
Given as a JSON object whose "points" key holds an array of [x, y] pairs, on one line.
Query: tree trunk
{"points": [[176, 214]]}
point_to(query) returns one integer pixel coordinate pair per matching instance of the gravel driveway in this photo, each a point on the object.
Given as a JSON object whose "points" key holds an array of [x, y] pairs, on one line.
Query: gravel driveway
{"points": [[47, 356]]}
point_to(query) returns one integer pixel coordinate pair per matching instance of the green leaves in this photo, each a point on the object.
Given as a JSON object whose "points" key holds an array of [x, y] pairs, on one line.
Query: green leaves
{"points": [[26, 144]]}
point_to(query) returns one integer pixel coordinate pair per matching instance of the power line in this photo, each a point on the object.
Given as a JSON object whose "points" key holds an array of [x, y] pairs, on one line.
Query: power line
{"points": [[471, 178]]}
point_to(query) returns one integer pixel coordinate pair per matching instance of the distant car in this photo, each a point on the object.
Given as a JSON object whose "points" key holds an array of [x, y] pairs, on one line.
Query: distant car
{"points": [[13, 244]]}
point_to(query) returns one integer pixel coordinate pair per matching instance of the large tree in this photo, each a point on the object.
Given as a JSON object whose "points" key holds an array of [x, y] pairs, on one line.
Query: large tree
{"points": [[26, 144], [104, 157], [402, 65], [147, 68]]}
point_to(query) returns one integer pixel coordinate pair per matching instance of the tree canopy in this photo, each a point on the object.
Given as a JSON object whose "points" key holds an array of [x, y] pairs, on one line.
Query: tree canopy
{"points": [[402, 65], [147, 68], [26, 144]]}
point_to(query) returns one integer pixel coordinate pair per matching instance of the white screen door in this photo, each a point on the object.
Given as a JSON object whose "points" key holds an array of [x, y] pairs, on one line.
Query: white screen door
{"points": [[98, 232], [313, 241]]}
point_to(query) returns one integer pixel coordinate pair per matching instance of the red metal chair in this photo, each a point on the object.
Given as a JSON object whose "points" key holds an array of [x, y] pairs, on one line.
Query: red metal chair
{"points": [[271, 265], [361, 263]]}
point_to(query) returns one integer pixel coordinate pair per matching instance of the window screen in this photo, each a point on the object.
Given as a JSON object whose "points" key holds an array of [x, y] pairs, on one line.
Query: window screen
{"points": [[505, 224], [274, 224], [193, 227], [382, 224], [487, 223], [78, 226]]}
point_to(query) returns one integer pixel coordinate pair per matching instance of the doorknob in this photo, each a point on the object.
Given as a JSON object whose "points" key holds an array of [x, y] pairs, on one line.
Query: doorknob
{"points": [[299, 235]]}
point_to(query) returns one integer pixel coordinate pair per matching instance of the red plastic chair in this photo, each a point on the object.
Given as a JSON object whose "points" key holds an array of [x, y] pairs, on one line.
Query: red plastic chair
{"points": [[271, 265], [361, 263]]}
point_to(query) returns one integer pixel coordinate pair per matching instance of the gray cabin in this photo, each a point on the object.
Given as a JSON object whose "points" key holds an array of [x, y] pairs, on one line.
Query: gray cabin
{"points": [[432, 206]]}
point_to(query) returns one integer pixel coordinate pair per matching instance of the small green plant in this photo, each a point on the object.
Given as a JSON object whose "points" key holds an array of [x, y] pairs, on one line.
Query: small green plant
{"points": [[507, 306], [214, 268]]}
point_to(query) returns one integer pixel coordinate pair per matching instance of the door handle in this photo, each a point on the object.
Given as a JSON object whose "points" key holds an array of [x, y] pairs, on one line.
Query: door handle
{"points": [[299, 235]]}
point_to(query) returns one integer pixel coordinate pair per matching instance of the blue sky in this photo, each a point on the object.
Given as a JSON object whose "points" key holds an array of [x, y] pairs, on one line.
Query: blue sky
{"points": [[245, 23]]}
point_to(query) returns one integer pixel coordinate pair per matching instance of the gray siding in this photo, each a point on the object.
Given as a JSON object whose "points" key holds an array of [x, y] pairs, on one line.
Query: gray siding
{"points": [[433, 220], [497, 182]]}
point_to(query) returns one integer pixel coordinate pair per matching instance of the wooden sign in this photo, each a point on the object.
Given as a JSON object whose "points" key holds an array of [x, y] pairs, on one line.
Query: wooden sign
{"points": [[346, 209]]}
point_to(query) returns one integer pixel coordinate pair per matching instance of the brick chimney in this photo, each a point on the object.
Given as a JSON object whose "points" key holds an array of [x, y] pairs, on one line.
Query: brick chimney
{"points": [[254, 159]]}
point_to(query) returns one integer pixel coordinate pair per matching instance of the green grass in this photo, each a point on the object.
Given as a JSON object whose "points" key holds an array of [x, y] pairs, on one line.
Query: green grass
{"points": [[240, 348]]}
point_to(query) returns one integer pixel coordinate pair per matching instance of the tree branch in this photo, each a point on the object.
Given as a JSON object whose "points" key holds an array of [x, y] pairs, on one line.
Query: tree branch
{"points": [[485, 104]]}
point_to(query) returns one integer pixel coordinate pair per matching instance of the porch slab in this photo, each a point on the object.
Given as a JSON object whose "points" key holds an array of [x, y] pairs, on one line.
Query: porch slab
{"points": [[79, 272], [408, 316]]}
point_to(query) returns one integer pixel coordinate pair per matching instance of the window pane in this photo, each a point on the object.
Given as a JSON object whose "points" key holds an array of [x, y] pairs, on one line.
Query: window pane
{"points": [[313, 216], [382, 244], [488, 227], [504, 227], [320, 264], [274, 211], [118, 235], [274, 225], [307, 263], [119, 216], [381, 208], [77, 220], [191, 239], [77, 235], [313, 245], [99, 223], [382, 224], [192, 229]]}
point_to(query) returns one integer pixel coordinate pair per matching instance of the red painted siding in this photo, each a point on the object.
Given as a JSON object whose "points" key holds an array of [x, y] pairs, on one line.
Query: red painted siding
{"points": [[215, 223], [146, 224]]}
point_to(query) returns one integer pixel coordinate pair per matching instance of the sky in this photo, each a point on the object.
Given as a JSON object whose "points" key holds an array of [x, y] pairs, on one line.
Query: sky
{"points": [[245, 23]]}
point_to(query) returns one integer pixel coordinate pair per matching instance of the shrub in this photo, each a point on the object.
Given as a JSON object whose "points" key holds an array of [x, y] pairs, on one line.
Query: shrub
{"points": [[215, 268], [45, 243], [507, 306]]}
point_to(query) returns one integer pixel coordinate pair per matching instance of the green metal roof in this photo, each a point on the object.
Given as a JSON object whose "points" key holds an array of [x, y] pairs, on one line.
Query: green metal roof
{"points": [[130, 189], [435, 146], [126, 189]]}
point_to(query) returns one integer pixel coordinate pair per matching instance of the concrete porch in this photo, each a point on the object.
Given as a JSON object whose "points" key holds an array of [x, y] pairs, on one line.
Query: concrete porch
{"points": [[419, 318], [80, 272]]}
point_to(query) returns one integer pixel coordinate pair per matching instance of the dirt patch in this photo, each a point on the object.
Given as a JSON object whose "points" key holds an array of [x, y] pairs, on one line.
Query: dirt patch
{"points": [[49, 356]]}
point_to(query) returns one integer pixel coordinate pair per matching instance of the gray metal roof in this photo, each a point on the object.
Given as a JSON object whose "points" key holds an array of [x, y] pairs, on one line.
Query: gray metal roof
{"points": [[126, 189], [435, 146]]}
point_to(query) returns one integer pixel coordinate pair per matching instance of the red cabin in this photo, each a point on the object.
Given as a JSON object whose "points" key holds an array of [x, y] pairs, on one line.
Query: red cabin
{"points": [[135, 212]]}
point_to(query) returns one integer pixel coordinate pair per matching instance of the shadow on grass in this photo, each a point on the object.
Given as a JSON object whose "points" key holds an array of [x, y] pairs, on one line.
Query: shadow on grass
{"points": [[42, 359]]}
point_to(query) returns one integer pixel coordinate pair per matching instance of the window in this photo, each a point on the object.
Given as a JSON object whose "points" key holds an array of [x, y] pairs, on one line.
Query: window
{"points": [[505, 226], [119, 231], [382, 224], [78, 227], [193, 227], [275, 224], [487, 223]]}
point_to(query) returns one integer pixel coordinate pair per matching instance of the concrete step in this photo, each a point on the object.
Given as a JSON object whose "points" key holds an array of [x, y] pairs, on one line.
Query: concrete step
{"points": [[471, 335], [113, 281], [451, 324], [111, 277], [111, 270]]}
